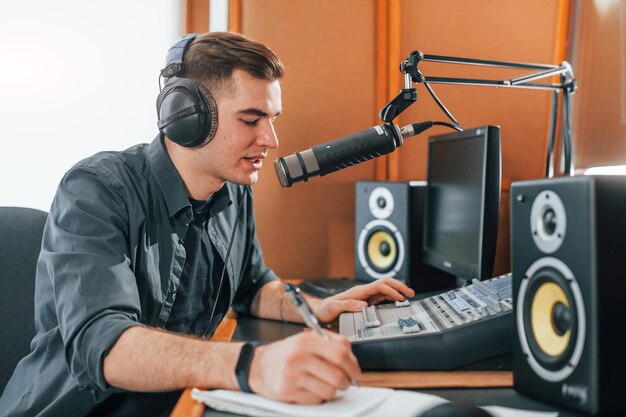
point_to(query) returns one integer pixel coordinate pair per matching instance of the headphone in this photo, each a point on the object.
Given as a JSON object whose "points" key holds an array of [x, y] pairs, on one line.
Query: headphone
{"points": [[186, 114]]}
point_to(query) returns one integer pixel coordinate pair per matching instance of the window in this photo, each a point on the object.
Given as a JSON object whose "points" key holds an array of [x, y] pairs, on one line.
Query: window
{"points": [[76, 77]]}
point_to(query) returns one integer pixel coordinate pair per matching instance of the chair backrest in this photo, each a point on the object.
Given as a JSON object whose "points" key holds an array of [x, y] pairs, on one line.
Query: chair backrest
{"points": [[21, 230]]}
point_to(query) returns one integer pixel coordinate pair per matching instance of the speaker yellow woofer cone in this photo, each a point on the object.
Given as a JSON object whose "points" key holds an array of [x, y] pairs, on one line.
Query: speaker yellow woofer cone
{"points": [[382, 250], [545, 300], [542, 330], [367, 250]]}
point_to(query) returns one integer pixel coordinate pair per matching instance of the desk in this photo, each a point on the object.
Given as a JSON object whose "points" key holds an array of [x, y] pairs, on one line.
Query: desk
{"points": [[461, 387]]}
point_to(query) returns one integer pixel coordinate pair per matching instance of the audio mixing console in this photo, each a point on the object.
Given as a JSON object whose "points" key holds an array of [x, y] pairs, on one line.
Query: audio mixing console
{"points": [[446, 331]]}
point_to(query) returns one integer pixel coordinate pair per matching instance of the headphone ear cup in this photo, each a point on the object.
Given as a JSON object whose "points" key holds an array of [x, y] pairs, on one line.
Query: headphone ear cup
{"points": [[212, 105], [184, 113]]}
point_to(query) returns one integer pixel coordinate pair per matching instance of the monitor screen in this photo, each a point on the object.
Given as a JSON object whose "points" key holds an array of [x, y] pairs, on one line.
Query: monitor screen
{"points": [[462, 202]]}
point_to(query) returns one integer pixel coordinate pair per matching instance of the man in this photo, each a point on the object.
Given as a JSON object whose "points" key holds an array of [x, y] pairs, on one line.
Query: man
{"points": [[137, 267]]}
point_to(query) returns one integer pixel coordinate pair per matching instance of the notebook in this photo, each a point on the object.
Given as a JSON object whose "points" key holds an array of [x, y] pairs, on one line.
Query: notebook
{"points": [[353, 402]]}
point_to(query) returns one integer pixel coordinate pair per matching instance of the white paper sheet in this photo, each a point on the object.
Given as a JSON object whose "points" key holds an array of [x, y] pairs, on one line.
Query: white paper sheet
{"points": [[353, 402]]}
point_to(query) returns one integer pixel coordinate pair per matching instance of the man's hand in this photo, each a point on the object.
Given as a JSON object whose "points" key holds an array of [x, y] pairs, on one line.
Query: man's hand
{"points": [[361, 296], [305, 368]]}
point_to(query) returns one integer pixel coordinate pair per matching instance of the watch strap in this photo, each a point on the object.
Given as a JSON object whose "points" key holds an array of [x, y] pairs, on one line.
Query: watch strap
{"points": [[242, 369]]}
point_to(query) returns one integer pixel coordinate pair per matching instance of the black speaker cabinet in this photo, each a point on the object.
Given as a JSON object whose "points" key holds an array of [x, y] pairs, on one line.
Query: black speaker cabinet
{"points": [[389, 233], [569, 286]]}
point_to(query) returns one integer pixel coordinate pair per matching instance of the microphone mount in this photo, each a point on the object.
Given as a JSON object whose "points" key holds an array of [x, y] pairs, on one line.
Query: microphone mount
{"points": [[566, 86]]}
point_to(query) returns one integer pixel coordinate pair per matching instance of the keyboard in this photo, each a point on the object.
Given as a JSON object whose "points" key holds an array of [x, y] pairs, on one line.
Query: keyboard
{"points": [[327, 287], [445, 331]]}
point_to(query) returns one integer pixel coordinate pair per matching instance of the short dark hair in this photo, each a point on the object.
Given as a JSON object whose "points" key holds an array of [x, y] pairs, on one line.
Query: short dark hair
{"points": [[212, 57]]}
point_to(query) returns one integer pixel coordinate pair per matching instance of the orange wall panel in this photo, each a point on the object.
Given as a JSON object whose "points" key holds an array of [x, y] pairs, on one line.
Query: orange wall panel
{"points": [[328, 48], [600, 102], [196, 16]]}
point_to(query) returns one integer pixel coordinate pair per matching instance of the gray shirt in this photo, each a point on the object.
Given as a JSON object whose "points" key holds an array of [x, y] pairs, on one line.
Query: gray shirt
{"points": [[112, 257]]}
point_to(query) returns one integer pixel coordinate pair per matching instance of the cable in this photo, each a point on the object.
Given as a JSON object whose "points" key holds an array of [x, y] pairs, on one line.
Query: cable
{"points": [[415, 129], [230, 245], [450, 125], [440, 104], [567, 134], [552, 137]]}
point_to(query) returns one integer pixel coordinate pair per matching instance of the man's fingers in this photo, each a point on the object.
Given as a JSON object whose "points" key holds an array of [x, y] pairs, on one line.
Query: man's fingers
{"points": [[339, 306], [329, 375], [304, 396], [317, 387], [336, 351], [360, 296], [390, 287], [399, 286], [390, 292], [339, 353]]}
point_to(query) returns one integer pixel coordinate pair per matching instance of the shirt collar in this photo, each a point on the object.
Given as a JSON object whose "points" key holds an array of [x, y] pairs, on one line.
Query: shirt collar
{"points": [[172, 184], [221, 200], [168, 177]]}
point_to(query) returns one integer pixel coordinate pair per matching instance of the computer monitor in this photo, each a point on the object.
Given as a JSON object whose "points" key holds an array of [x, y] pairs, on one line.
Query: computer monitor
{"points": [[462, 202]]}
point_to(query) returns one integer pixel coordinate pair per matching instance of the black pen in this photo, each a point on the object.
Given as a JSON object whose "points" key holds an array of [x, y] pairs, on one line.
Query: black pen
{"points": [[306, 313], [304, 309]]}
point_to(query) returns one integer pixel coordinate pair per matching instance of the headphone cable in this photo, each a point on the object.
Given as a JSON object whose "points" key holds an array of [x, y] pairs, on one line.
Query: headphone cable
{"points": [[230, 245]]}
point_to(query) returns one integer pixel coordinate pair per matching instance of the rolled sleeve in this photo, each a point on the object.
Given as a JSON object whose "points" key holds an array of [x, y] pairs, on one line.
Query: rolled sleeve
{"points": [[246, 292], [86, 254]]}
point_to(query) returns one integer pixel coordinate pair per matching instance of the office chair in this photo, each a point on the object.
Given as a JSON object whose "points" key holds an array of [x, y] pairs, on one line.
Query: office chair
{"points": [[21, 230]]}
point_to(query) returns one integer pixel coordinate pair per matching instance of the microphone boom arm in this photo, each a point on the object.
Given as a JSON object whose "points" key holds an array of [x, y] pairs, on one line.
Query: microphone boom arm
{"points": [[566, 85]]}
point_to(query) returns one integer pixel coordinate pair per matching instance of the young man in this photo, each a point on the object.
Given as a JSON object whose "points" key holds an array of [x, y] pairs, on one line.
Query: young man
{"points": [[135, 269]]}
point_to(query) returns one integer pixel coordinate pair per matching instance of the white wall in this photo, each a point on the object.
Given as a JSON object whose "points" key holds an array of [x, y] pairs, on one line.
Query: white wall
{"points": [[76, 77]]}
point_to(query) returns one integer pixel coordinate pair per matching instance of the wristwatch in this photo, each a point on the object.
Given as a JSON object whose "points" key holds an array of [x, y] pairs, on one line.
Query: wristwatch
{"points": [[242, 369]]}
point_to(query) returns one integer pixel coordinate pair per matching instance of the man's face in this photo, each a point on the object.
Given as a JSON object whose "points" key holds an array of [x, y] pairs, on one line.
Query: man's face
{"points": [[246, 113]]}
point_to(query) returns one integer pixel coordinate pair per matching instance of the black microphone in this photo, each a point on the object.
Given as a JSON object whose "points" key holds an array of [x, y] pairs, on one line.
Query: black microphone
{"points": [[344, 152]]}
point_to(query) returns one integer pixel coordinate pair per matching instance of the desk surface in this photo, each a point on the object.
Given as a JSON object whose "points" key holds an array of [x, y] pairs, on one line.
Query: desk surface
{"points": [[462, 387]]}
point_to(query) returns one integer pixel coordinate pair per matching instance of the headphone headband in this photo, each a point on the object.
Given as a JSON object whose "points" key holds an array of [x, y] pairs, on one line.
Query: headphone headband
{"points": [[174, 59]]}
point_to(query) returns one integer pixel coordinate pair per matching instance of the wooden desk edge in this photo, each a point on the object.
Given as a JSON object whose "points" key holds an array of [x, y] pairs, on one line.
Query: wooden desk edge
{"points": [[187, 406], [438, 379]]}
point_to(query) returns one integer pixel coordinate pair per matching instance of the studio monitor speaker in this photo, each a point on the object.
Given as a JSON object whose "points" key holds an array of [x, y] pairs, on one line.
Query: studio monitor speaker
{"points": [[388, 235], [569, 290]]}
